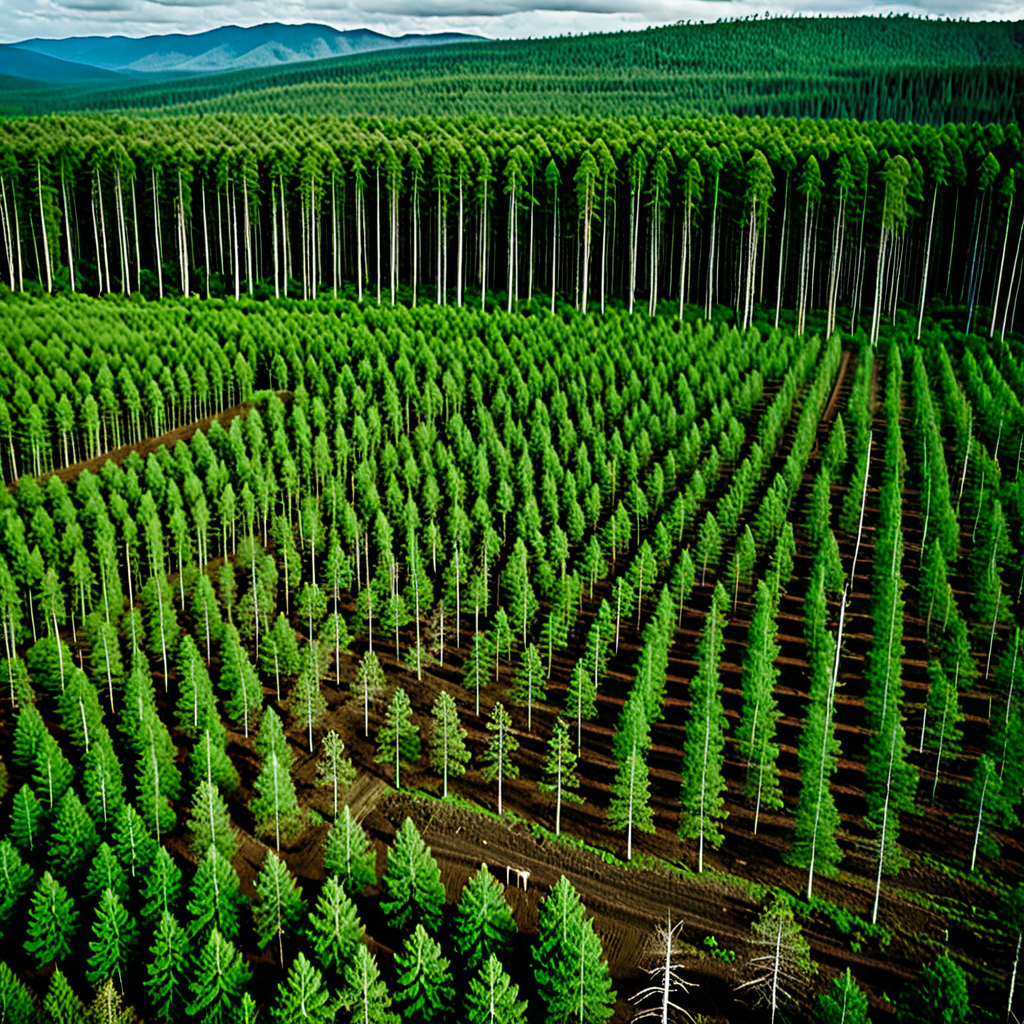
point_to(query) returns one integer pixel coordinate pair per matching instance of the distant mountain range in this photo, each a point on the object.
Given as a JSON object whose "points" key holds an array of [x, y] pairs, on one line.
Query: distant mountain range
{"points": [[222, 49]]}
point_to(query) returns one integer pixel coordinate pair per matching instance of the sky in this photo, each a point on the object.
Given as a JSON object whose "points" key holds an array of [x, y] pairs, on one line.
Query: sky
{"points": [[497, 19]]}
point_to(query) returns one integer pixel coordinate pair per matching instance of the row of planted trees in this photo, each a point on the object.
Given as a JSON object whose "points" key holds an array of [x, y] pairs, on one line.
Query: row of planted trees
{"points": [[845, 218]]}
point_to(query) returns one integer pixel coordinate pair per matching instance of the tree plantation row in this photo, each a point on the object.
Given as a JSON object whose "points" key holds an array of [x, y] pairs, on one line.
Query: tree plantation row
{"points": [[852, 219], [500, 495]]}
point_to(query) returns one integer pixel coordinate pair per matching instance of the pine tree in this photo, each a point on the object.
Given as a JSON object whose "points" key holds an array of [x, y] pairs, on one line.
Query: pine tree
{"points": [[349, 855], [334, 769], [985, 805], [580, 697], [279, 652], [161, 888], [844, 1003], [306, 702], [279, 907], [398, 739], [102, 781], [133, 845], [704, 747], [239, 679], [210, 823], [334, 927], [303, 996], [51, 922], [497, 758], [493, 999], [52, 772], [215, 899], [370, 680], [365, 994], [423, 979], [817, 820], [17, 1005], [106, 872], [28, 820], [15, 882], [113, 941], [474, 668], [529, 684], [154, 772], [939, 995], [275, 806], [630, 805], [755, 732], [219, 979], [196, 687], [560, 770], [107, 1007], [167, 970], [412, 889], [448, 752], [74, 839], [61, 1005], [483, 922]]}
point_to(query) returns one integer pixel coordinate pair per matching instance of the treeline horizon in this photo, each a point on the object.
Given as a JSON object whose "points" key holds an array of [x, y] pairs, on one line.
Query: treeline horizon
{"points": [[867, 68]]}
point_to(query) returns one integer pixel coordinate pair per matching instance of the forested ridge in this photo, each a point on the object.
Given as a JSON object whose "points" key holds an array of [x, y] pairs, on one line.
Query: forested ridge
{"points": [[904, 68], [854, 219]]}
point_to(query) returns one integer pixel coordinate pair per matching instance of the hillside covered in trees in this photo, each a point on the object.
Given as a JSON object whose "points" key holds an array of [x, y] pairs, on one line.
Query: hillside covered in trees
{"points": [[869, 68]]}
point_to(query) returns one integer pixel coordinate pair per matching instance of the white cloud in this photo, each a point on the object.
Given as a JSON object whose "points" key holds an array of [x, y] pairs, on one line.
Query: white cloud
{"points": [[22, 19]]}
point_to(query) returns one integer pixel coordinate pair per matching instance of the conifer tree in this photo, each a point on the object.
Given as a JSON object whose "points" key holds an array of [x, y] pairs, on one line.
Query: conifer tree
{"points": [[493, 999], [398, 739], [102, 781], [161, 888], [483, 922], [497, 758], [305, 702], [303, 996], [279, 907], [573, 982], [238, 678], [529, 684], [560, 775], [52, 922], [113, 940], [106, 872], [755, 732], [15, 882], [154, 774], [107, 1007], [334, 927], [196, 687], [370, 680], [704, 747], [17, 1004], [365, 994], [210, 824], [51, 772], [334, 769], [413, 892], [29, 729], [74, 839], [985, 805], [219, 980], [424, 987], [844, 1003], [817, 820], [61, 1005], [28, 821], [275, 806], [630, 805], [279, 652], [448, 752], [474, 669], [133, 845], [349, 855], [215, 898], [208, 759]]}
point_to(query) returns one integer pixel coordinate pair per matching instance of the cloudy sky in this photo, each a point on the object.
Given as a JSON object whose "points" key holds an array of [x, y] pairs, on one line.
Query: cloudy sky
{"points": [[23, 19]]}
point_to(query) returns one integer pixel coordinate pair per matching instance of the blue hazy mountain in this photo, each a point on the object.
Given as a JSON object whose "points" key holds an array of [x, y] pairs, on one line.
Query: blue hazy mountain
{"points": [[222, 49]]}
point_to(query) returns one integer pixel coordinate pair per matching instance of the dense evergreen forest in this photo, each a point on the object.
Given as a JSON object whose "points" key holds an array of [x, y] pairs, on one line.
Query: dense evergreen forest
{"points": [[795, 215], [906, 69]]}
